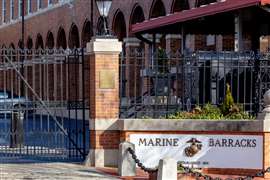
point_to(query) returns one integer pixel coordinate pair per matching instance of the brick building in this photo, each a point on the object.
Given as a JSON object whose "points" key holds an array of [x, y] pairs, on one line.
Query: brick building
{"points": [[58, 23]]}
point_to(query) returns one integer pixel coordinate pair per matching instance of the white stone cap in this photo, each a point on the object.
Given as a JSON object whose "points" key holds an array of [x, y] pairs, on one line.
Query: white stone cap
{"points": [[104, 45], [132, 41]]}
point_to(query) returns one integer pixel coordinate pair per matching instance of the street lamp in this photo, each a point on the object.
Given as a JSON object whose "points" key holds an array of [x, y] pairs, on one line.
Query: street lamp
{"points": [[104, 8]]}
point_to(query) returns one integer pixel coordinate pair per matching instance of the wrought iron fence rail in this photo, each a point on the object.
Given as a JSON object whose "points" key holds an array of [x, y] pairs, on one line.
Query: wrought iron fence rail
{"points": [[47, 88], [194, 79]]}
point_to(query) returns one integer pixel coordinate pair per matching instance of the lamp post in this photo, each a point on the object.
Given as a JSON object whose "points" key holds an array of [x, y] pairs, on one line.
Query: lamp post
{"points": [[23, 46], [104, 8], [22, 11]]}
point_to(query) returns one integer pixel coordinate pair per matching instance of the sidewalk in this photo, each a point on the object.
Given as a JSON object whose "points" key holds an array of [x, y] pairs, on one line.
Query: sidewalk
{"points": [[50, 171], [71, 171]]}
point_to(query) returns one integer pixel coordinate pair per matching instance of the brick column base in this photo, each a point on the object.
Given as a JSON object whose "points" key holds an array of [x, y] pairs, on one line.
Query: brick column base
{"points": [[104, 101]]}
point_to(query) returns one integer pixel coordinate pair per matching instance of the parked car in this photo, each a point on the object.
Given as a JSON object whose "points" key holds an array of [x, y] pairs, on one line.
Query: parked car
{"points": [[13, 103]]}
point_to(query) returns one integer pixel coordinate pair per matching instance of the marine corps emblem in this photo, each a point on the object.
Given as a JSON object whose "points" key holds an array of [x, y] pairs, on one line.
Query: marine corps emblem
{"points": [[194, 148]]}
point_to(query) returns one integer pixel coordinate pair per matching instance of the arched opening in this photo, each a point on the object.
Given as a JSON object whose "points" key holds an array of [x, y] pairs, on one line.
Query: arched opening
{"points": [[100, 25], [204, 2], [29, 44], [39, 42], [12, 46], [87, 33], [12, 51], [137, 15], [74, 40], [20, 44], [61, 39], [180, 5], [50, 40], [119, 25], [157, 9]]}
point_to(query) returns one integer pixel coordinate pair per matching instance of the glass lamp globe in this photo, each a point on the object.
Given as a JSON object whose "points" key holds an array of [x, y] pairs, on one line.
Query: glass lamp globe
{"points": [[104, 7]]}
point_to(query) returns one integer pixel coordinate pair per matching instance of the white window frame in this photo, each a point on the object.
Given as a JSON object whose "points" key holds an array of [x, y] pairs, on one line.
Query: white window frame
{"points": [[12, 9], [4, 11], [50, 3], [39, 4], [19, 8], [29, 7]]}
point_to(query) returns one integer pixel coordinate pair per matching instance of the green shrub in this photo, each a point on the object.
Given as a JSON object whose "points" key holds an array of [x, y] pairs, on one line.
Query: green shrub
{"points": [[228, 102], [228, 110], [206, 112]]}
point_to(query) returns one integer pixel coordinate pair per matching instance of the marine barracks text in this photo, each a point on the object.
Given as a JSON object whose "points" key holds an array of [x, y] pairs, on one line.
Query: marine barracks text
{"points": [[212, 142]]}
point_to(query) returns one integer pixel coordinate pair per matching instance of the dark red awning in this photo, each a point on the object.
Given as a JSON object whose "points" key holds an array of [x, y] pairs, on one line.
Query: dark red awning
{"points": [[187, 15]]}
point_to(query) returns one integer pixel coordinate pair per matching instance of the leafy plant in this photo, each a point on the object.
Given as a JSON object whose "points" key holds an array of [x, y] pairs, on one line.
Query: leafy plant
{"points": [[206, 112], [228, 110], [228, 102]]}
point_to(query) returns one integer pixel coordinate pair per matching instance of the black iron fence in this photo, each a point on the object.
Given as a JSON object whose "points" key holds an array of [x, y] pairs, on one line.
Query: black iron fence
{"points": [[161, 84], [43, 105]]}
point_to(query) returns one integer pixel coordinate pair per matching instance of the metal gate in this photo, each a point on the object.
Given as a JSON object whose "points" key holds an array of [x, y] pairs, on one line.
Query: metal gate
{"points": [[43, 107]]}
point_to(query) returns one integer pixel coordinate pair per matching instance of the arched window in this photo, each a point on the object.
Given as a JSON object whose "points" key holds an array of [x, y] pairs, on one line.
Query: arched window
{"points": [[100, 25], [74, 40], [119, 25], [20, 44], [87, 33], [50, 40], [61, 39], [157, 9], [137, 15], [12, 46], [29, 44], [39, 42], [180, 5]]}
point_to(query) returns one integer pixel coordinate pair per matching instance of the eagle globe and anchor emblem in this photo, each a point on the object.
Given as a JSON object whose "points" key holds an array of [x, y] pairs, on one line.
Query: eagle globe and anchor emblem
{"points": [[194, 148]]}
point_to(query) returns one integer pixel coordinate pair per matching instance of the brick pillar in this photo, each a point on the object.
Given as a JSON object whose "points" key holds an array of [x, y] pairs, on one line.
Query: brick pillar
{"points": [[265, 117], [132, 73], [266, 156], [104, 101]]}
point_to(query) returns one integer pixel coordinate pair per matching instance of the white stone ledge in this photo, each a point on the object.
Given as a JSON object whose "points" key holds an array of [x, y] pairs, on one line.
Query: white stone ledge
{"points": [[104, 124], [193, 125], [104, 45]]}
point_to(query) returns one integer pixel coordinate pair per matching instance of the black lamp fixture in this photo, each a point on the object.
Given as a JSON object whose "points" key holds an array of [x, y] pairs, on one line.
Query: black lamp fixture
{"points": [[104, 8]]}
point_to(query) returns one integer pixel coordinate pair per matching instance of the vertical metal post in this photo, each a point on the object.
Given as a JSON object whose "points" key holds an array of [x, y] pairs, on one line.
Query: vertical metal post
{"points": [[155, 69], [257, 81], [83, 106], [92, 13], [183, 42], [22, 56], [22, 10]]}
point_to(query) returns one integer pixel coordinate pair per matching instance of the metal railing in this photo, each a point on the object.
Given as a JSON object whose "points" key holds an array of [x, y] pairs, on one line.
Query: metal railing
{"points": [[161, 84]]}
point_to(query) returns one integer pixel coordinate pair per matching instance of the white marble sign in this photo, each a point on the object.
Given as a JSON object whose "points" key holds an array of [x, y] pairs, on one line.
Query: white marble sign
{"points": [[208, 151]]}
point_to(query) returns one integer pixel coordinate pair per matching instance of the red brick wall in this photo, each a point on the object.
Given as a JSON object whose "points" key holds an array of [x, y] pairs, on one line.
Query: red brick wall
{"points": [[104, 139], [267, 152]]}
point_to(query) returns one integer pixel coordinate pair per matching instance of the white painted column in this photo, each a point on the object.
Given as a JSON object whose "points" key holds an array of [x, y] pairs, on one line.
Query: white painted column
{"points": [[238, 37]]}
